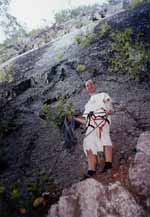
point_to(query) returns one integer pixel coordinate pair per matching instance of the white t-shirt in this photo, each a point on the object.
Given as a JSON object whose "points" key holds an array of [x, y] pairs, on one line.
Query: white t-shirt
{"points": [[97, 103]]}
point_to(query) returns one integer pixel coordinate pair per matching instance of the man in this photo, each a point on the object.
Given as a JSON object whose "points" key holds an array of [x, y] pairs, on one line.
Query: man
{"points": [[97, 136]]}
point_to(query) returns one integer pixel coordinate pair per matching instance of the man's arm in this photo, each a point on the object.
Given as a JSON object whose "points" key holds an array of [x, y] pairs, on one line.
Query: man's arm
{"points": [[108, 103], [80, 120]]}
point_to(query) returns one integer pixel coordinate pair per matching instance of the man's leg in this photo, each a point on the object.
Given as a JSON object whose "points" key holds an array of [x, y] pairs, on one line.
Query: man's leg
{"points": [[108, 157], [92, 162], [108, 153], [107, 146]]}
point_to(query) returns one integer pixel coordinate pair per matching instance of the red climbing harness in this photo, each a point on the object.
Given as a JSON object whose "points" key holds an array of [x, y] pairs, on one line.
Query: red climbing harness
{"points": [[94, 117]]}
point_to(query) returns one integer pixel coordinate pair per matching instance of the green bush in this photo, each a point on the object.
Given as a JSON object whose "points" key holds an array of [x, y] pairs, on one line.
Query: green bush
{"points": [[88, 39], [60, 57], [127, 56], [5, 77], [85, 40], [68, 14], [15, 193], [64, 108], [35, 188], [104, 28], [62, 16], [79, 24], [78, 39], [135, 3], [81, 68]]}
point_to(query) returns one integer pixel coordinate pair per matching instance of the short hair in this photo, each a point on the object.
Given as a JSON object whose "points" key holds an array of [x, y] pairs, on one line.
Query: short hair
{"points": [[89, 80]]}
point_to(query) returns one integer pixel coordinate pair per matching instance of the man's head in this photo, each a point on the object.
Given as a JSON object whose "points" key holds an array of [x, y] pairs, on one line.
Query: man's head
{"points": [[90, 86]]}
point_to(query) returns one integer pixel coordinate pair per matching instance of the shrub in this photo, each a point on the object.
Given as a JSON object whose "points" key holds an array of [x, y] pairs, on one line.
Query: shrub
{"points": [[5, 77], [67, 14], [79, 24], [85, 40], [135, 3], [104, 28], [126, 56], [35, 188], [15, 194], [64, 108], [81, 68], [79, 39], [62, 16], [59, 57]]}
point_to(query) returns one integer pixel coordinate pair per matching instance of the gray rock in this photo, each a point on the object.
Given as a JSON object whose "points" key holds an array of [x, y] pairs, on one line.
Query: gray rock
{"points": [[139, 173], [91, 198]]}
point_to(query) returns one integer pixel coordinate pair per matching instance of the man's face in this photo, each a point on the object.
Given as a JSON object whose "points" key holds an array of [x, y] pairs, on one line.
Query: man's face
{"points": [[90, 87]]}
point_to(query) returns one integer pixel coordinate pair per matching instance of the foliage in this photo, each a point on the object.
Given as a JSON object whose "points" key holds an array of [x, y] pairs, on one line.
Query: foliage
{"points": [[37, 202], [80, 68], [62, 16], [88, 39], [79, 24], [85, 40], [135, 3], [104, 28], [4, 4], [126, 56], [9, 24], [68, 14], [34, 32], [60, 57], [35, 188], [6, 75], [2, 190], [64, 108], [16, 201], [2, 45], [15, 193], [79, 39]]}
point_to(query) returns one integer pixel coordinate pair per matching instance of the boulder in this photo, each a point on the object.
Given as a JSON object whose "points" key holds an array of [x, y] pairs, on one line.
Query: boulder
{"points": [[139, 172], [91, 198]]}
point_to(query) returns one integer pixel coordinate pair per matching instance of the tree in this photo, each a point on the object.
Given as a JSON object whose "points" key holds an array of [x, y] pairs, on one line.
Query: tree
{"points": [[9, 24], [4, 5]]}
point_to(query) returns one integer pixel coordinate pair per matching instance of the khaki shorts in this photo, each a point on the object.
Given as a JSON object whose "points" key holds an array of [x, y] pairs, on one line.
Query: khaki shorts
{"points": [[94, 142]]}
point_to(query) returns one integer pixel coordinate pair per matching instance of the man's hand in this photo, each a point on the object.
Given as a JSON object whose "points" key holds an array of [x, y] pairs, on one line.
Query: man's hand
{"points": [[109, 112], [80, 120], [69, 118]]}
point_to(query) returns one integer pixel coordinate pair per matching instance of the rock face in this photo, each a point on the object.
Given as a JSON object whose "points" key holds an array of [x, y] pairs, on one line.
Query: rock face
{"points": [[139, 173], [41, 37], [32, 146], [91, 198]]}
